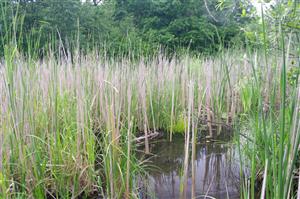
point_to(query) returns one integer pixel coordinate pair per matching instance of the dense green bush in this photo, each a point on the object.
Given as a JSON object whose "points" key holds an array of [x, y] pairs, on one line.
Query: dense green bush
{"points": [[115, 26]]}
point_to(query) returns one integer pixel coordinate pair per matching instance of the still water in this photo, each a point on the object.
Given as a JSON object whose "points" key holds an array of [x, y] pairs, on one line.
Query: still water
{"points": [[217, 170]]}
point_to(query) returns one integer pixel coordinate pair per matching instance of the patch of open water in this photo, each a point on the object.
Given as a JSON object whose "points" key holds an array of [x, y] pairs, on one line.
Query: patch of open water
{"points": [[217, 170]]}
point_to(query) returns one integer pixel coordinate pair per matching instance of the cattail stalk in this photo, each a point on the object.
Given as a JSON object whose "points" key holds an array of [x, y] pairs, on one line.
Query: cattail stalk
{"points": [[187, 139]]}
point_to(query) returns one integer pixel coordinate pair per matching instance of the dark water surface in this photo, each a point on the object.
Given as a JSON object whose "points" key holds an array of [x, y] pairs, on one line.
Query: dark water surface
{"points": [[217, 170]]}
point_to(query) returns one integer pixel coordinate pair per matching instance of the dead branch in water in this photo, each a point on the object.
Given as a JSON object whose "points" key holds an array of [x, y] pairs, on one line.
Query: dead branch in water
{"points": [[149, 136], [216, 123]]}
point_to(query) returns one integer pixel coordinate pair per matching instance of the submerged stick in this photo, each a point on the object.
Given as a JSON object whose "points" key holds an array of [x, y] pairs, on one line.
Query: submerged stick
{"points": [[149, 136]]}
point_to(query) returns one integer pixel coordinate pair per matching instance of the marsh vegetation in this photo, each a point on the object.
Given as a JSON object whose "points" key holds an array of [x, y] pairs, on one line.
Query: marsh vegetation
{"points": [[83, 123]]}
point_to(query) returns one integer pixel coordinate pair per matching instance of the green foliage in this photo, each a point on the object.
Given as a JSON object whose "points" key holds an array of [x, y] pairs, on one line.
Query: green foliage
{"points": [[116, 26], [285, 14], [292, 75], [180, 125]]}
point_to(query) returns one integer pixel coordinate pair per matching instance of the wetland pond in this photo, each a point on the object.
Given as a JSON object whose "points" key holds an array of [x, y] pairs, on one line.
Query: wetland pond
{"points": [[217, 170]]}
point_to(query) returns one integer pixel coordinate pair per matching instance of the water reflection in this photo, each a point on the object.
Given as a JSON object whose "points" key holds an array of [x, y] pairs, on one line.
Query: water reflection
{"points": [[217, 171]]}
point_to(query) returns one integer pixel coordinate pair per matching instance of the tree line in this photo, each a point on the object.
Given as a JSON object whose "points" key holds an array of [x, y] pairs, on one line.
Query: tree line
{"points": [[124, 26]]}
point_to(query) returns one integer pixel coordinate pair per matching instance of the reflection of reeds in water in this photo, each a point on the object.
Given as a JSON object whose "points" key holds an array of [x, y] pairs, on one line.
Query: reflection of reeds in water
{"points": [[216, 170], [219, 172]]}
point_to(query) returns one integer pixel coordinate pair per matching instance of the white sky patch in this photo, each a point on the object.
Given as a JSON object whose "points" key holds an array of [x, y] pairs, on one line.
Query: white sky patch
{"points": [[84, 1], [258, 5]]}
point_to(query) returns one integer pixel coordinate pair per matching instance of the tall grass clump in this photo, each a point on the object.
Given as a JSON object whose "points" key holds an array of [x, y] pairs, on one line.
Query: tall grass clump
{"points": [[272, 125], [70, 127]]}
